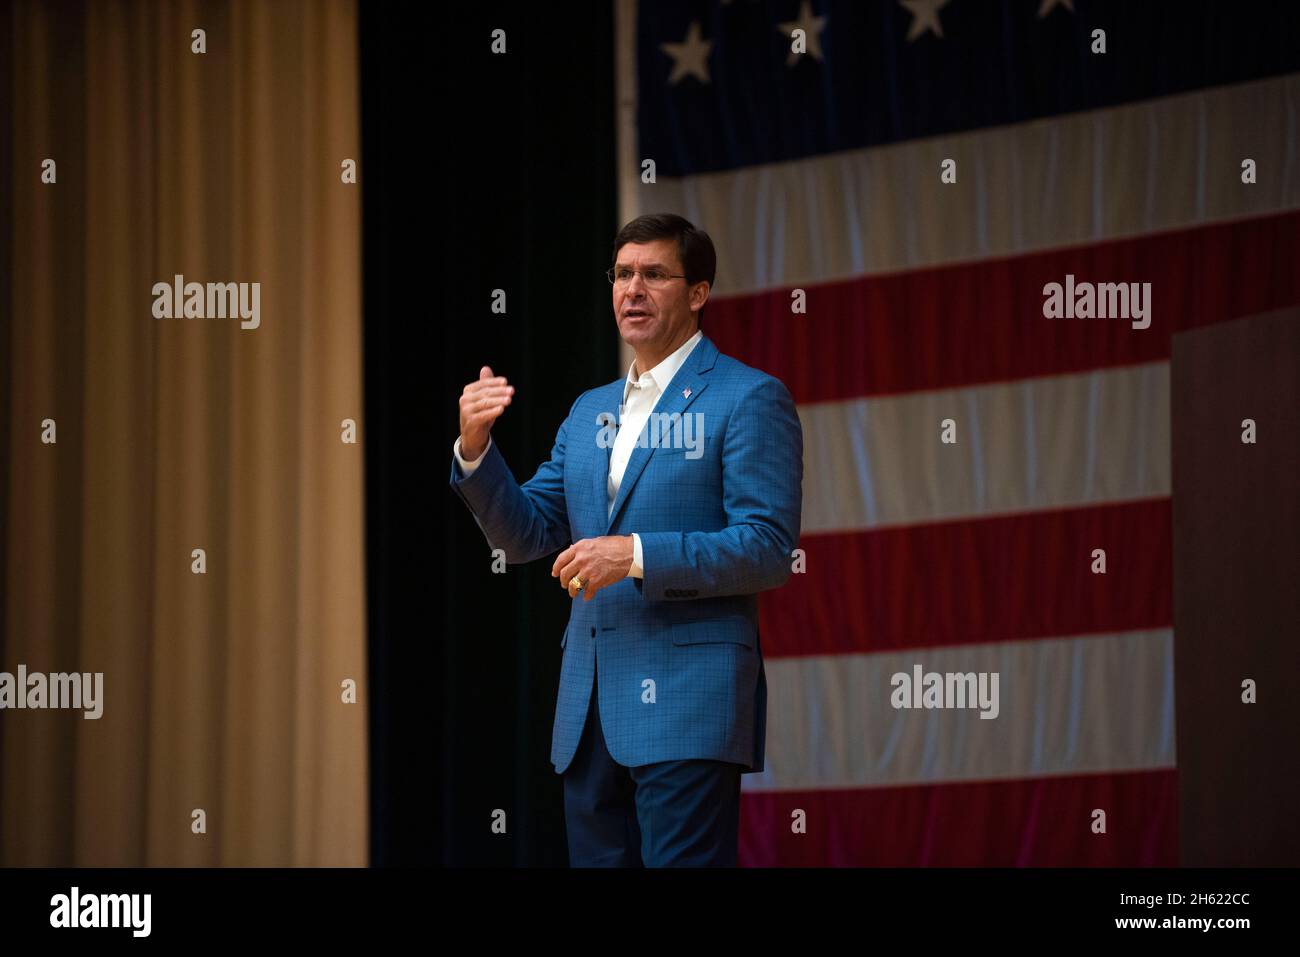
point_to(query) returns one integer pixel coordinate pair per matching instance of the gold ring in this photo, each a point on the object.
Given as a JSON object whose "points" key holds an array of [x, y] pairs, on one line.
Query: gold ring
{"points": [[575, 582]]}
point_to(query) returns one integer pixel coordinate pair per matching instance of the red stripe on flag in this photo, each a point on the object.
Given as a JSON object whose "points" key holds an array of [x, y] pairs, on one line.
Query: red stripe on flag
{"points": [[991, 579], [980, 322], [1039, 822]]}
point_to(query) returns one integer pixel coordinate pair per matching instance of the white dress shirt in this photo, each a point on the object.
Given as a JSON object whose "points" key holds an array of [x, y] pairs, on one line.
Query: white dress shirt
{"points": [[641, 393]]}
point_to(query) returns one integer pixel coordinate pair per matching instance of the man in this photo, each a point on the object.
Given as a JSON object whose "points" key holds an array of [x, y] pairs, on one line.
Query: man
{"points": [[676, 525]]}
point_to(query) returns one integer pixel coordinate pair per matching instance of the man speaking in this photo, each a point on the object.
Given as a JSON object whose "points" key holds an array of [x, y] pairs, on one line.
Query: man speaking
{"points": [[673, 497]]}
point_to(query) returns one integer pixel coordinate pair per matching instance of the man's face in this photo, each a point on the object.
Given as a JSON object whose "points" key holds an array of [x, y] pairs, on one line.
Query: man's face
{"points": [[651, 316]]}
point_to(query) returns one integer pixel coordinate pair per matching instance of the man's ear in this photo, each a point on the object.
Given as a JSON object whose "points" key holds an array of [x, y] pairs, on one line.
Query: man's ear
{"points": [[699, 295]]}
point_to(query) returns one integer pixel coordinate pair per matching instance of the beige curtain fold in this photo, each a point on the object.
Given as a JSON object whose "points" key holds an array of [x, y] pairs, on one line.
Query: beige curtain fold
{"points": [[222, 691]]}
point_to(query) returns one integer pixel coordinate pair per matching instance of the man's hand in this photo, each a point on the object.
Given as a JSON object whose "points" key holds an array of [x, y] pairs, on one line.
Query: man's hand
{"points": [[480, 404], [597, 561]]}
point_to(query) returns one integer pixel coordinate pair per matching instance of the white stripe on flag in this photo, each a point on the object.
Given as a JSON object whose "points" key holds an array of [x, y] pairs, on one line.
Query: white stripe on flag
{"points": [[1047, 443], [1100, 703], [1061, 181]]}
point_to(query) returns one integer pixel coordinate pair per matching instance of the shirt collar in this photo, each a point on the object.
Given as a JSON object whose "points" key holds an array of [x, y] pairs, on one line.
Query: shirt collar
{"points": [[663, 373]]}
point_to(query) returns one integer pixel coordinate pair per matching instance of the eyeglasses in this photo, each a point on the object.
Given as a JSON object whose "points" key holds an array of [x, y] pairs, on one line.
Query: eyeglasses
{"points": [[654, 278]]}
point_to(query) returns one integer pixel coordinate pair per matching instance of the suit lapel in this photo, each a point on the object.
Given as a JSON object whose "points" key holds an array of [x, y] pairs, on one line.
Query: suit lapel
{"points": [[685, 387], [610, 403]]}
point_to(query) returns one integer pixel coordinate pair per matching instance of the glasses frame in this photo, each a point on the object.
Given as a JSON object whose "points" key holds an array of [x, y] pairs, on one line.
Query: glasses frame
{"points": [[609, 274]]}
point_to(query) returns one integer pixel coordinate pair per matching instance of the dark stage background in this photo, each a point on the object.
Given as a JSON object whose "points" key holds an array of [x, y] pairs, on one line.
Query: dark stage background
{"points": [[479, 172]]}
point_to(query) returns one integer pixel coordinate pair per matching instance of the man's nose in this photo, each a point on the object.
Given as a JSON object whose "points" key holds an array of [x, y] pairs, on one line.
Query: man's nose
{"points": [[637, 283]]}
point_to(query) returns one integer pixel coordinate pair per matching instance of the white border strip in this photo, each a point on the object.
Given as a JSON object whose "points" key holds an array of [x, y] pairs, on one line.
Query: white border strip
{"points": [[1070, 180], [1085, 705], [1053, 442], [629, 196]]}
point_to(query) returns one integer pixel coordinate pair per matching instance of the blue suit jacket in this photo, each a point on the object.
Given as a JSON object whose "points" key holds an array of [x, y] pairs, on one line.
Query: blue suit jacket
{"points": [[677, 652]]}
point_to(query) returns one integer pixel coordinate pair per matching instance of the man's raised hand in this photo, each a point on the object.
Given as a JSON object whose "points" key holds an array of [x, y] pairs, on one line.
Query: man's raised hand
{"points": [[480, 404]]}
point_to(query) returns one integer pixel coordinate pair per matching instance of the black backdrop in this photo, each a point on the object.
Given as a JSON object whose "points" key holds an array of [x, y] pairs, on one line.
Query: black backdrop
{"points": [[478, 171]]}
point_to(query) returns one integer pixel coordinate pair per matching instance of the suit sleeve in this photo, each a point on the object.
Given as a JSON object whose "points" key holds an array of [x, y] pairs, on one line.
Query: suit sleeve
{"points": [[526, 521], [762, 495]]}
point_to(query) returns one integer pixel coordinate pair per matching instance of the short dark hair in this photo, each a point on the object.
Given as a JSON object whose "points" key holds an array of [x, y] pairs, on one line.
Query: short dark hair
{"points": [[694, 247]]}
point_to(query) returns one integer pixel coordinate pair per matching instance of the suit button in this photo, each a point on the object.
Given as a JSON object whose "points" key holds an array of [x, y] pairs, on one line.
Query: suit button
{"points": [[593, 631]]}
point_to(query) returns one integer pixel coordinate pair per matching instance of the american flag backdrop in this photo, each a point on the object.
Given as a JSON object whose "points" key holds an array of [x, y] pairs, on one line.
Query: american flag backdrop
{"points": [[818, 173]]}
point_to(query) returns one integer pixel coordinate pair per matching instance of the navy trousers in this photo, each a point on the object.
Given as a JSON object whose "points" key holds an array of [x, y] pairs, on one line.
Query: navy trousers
{"points": [[669, 814]]}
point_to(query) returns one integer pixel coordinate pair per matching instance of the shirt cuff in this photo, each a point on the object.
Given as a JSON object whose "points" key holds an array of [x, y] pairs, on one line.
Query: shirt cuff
{"points": [[636, 571], [469, 467]]}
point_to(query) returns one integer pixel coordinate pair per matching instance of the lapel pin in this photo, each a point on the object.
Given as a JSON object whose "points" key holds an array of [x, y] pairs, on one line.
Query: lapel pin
{"points": [[686, 393]]}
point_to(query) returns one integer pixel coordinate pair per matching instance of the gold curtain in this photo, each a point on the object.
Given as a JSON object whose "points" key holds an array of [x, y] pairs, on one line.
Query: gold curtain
{"points": [[222, 691]]}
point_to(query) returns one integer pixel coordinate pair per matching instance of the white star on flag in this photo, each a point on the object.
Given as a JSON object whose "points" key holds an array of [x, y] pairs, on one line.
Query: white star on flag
{"points": [[925, 16], [686, 393], [689, 56], [811, 27]]}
